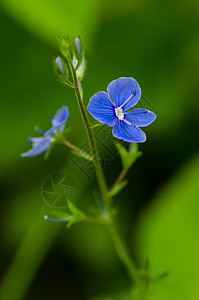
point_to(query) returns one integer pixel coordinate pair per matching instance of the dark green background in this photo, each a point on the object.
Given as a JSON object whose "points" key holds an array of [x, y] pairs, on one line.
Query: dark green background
{"points": [[156, 42]]}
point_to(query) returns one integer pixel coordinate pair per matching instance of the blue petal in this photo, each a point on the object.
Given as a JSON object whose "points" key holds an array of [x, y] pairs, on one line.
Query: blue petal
{"points": [[58, 121], [140, 117], [125, 92], [78, 44], [102, 108], [51, 131], [61, 116], [59, 63], [38, 147], [128, 133], [37, 139]]}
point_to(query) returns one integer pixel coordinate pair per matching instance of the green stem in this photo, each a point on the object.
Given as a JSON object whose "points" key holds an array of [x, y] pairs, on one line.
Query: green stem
{"points": [[96, 160], [102, 220], [124, 254], [70, 83], [81, 152], [95, 124], [77, 66], [119, 179], [118, 241]]}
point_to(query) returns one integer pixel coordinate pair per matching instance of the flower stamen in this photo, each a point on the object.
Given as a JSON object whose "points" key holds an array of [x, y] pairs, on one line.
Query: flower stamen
{"points": [[127, 122], [129, 98], [119, 113]]}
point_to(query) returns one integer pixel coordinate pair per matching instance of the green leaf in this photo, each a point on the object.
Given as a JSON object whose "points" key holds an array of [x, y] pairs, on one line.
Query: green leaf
{"points": [[65, 46], [75, 211], [128, 157], [78, 215], [121, 149], [169, 232], [48, 151], [116, 189], [66, 131]]}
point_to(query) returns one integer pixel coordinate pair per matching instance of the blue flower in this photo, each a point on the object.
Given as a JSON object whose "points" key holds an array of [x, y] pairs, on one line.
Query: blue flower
{"points": [[41, 144], [112, 108]]}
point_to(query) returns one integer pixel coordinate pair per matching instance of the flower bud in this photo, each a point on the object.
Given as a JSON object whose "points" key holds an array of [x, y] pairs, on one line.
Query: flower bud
{"points": [[78, 44], [81, 70], [59, 63]]}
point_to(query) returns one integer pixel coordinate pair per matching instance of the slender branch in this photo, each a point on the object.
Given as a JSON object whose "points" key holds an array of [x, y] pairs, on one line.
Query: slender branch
{"points": [[77, 66], [70, 83], [81, 152], [119, 179], [95, 124], [103, 220]]}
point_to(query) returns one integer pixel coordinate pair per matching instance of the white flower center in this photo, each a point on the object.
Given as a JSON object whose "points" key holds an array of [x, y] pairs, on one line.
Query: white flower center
{"points": [[119, 113]]}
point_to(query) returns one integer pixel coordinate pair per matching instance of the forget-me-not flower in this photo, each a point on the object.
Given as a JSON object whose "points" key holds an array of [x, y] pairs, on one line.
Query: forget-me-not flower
{"points": [[112, 108], [41, 144]]}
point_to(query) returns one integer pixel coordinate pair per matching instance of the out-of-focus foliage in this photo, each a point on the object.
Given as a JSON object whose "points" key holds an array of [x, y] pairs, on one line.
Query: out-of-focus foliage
{"points": [[48, 18], [157, 43], [128, 157], [169, 235]]}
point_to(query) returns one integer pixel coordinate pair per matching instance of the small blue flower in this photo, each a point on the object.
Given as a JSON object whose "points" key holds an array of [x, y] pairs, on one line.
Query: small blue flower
{"points": [[59, 63], [111, 108], [41, 144]]}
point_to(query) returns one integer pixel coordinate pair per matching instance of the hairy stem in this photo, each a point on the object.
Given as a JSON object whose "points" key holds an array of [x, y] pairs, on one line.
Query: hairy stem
{"points": [[96, 160], [81, 152], [118, 241], [70, 83]]}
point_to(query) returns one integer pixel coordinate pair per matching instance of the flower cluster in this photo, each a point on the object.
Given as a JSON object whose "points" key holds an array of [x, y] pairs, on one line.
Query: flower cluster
{"points": [[113, 107], [41, 144], [78, 60]]}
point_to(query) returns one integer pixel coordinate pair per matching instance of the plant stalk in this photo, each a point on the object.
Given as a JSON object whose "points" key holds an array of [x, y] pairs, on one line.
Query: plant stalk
{"points": [[118, 241], [119, 179], [78, 150]]}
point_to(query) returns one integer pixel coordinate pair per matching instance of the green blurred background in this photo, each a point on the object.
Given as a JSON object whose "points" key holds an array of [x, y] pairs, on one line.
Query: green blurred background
{"points": [[156, 42]]}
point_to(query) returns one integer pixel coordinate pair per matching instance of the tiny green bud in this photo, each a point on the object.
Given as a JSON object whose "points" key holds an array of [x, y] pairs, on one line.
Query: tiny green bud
{"points": [[65, 46]]}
